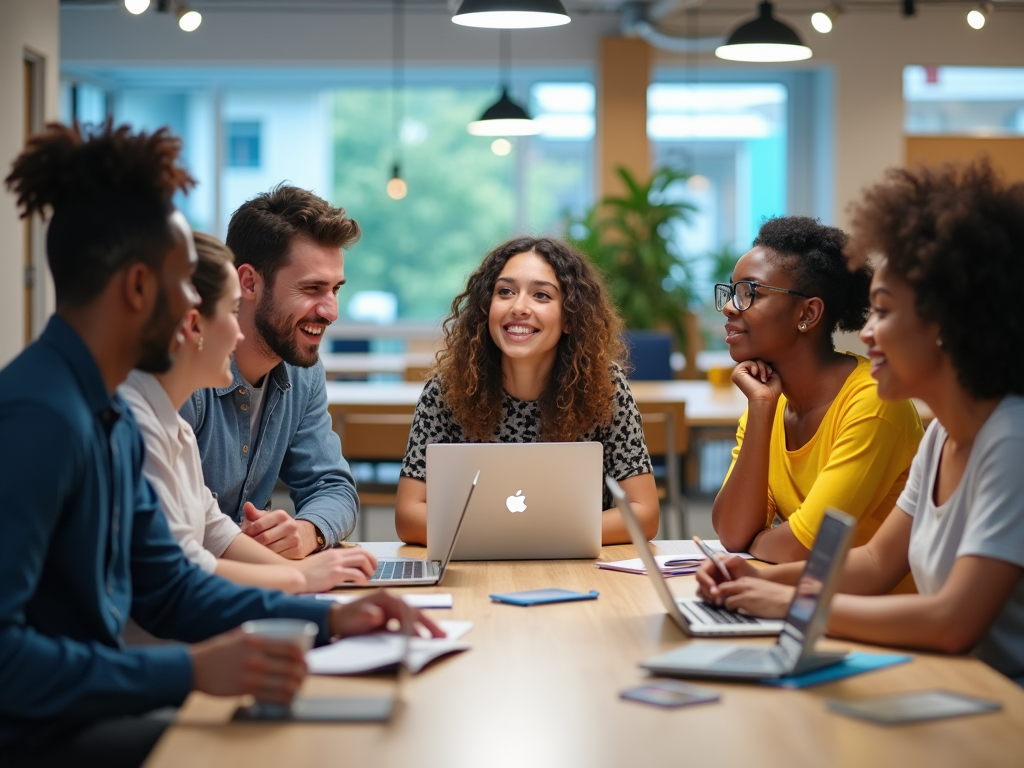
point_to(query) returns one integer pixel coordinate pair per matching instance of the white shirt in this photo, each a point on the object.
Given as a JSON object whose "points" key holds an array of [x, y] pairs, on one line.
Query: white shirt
{"points": [[983, 517], [175, 470]]}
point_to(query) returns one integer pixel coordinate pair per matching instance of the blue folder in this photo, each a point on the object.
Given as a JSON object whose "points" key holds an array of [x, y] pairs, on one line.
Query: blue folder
{"points": [[856, 663]]}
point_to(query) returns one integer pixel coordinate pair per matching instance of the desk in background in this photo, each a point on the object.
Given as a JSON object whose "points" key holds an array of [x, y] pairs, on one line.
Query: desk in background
{"points": [[540, 688]]}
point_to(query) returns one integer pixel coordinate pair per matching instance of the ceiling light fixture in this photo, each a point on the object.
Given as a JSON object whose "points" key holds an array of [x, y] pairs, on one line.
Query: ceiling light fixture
{"points": [[511, 14], [504, 117], [189, 20], [396, 187], [136, 6], [764, 39], [977, 17], [822, 21]]}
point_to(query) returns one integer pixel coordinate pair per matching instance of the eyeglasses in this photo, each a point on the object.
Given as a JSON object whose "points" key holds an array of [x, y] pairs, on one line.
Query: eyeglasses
{"points": [[742, 293]]}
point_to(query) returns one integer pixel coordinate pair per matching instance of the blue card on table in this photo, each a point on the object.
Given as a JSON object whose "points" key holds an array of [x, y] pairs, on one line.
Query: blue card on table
{"points": [[540, 596]]}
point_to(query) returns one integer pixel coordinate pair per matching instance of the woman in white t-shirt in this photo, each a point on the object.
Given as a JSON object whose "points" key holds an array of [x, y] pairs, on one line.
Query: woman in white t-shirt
{"points": [[211, 539], [946, 326]]}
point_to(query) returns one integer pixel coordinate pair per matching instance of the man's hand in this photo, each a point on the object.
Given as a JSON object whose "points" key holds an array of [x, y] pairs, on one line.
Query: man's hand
{"points": [[380, 610], [324, 570], [235, 663], [279, 531]]}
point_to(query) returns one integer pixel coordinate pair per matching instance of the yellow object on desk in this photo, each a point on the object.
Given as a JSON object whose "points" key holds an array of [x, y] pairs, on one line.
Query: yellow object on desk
{"points": [[720, 377]]}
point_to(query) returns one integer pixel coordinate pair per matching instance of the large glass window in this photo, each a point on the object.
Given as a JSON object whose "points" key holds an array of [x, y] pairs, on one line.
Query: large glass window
{"points": [[966, 101], [334, 132]]}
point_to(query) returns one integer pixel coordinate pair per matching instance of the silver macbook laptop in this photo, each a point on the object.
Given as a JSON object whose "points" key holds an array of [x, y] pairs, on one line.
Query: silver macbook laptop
{"points": [[415, 571], [535, 501], [694, 616], [805, 622]]}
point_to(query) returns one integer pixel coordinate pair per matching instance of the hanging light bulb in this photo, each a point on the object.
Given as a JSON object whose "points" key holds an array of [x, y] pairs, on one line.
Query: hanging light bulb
{"points": [[764, 39], [511, 14], [397, 188], [822, 20], [189, 21], [977, 17], [136, 6], [501, 147]]}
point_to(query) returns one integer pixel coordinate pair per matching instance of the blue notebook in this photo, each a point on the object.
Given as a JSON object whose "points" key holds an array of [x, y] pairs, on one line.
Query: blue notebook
{"points": [[856, 663]]}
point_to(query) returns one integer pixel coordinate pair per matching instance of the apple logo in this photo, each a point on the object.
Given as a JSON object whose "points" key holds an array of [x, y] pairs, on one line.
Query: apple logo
{"points": [[516, 503]]}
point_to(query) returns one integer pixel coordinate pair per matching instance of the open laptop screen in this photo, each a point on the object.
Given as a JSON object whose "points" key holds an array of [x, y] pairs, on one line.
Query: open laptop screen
{"points": [[809, 609]]}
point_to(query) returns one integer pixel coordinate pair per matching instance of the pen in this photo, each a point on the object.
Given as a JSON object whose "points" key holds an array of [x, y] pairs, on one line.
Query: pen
{"points": [[713, 556]]}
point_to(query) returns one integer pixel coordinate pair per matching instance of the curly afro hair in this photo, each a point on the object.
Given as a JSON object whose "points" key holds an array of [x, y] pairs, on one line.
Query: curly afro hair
{"points": [[813, 254], [955, 234]]}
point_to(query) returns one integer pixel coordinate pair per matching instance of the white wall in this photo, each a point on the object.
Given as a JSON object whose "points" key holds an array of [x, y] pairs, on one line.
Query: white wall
{"points": [[26, 25]]}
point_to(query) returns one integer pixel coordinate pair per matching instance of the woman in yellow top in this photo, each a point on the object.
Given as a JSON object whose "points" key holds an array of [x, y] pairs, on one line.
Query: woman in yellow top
{"points": [[815, 432]]}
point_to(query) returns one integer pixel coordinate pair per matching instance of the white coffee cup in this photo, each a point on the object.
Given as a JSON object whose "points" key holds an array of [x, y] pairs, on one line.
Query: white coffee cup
{"points": [[298, 632]]}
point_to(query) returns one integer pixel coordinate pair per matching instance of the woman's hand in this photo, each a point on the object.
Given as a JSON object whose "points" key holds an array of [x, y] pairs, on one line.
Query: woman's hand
{"points": [[756, 597], [333, 567], [710, 577], [757, 381]]}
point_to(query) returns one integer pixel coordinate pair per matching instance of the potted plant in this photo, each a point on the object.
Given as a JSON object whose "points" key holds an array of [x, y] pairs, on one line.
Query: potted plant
{"points": [[631, 239]]}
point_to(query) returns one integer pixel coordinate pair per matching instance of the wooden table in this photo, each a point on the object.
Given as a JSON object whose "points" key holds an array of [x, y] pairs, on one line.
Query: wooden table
{"points": [[540, 688]]}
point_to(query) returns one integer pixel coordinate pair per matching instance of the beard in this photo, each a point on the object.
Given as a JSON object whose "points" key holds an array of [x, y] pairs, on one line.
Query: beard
{"points": [[275, 333], [155, 355]]}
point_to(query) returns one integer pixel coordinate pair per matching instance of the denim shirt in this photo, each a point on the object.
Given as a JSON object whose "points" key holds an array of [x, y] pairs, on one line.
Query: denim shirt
{"points": [[84, 547], [294, 442]]}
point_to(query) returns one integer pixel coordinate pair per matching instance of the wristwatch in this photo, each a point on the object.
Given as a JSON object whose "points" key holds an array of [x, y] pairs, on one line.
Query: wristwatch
{"points": [[321, 541]]}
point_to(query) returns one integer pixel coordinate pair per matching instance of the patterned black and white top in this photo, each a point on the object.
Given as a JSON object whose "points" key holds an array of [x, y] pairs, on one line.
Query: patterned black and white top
{"points": [[625, 452]]}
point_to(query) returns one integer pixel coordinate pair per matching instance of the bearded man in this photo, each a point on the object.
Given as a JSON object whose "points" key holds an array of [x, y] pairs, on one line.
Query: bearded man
{"points": [[272, 422]]}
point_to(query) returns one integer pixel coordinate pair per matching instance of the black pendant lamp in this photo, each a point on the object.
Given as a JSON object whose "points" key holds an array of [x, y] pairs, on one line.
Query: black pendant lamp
{"points": [[504, 117], [764, 39], [511, 14]]}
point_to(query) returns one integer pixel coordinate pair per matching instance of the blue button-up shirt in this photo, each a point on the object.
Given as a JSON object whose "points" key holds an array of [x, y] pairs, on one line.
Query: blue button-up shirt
{"points": [[83, 546], [294, 442]]}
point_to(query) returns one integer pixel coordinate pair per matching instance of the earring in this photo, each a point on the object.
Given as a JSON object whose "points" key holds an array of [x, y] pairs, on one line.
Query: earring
{"points": [[803, 326], [200, 345], [938, 342]]}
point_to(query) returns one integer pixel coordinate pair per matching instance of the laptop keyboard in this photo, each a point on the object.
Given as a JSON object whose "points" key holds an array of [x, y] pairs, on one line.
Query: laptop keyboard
{"points": [[391, 570], [713, 614]]}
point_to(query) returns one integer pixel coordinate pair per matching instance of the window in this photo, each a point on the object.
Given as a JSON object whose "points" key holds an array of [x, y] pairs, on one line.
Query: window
{"points": [[967, 101], [243, 144], [331, 131]]}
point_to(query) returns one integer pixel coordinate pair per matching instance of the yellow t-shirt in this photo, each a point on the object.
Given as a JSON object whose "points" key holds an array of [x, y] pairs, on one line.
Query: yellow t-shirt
{"points": [[857, 461]]}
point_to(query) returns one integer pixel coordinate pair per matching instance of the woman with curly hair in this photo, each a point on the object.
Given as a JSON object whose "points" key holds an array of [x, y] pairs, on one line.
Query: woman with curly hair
{"points": [[533, 352], [815, 433], [951, 242]]}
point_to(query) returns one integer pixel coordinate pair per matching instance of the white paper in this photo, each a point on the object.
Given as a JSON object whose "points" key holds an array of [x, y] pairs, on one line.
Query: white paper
{"points": [[684, 561], [438, 600], [366, 653]]}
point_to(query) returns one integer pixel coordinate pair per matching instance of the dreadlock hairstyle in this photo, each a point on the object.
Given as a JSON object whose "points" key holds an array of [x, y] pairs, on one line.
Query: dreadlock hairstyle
{"points": [[579, 392], [108, 193]]}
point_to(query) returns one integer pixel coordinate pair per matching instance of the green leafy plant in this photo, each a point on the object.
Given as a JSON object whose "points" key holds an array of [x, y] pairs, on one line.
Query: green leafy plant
{"points": [[631, 238]]}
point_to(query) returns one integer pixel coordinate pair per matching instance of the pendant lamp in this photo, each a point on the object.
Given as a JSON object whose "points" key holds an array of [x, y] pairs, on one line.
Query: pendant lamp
{"points": [[504, 117], [511, 14], [764, 39], [396, 187]]}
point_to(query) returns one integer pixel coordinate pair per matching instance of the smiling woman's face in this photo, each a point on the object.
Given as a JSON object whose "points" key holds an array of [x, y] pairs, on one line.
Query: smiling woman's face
{"points": [[769, 326], [526, 317], [903, 348]]}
